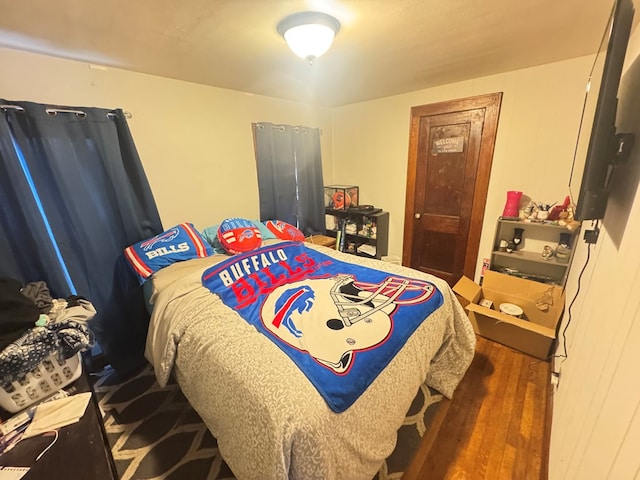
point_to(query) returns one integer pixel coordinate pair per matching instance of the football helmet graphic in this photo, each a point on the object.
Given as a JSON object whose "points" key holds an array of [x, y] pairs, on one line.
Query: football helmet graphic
{"points": [[332, 318]]}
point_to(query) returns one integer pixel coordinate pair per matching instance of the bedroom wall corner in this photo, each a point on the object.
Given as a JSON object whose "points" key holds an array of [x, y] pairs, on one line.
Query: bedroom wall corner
{"points": [[536, 134], [195, 141]]}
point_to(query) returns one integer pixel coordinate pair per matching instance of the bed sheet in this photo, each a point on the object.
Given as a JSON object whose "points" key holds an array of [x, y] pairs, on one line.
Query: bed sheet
{"points": [[269, 420]]}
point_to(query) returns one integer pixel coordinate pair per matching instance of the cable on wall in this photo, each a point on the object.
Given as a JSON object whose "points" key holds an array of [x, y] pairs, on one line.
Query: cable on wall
{"points": [[565, 353]]}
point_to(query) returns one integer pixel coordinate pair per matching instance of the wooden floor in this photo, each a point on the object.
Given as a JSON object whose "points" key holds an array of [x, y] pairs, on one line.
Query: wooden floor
{"points": [[496, 426]]}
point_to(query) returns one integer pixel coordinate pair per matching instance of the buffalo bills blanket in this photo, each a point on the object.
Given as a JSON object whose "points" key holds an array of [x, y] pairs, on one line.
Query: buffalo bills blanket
{"points": [[339, 322]]}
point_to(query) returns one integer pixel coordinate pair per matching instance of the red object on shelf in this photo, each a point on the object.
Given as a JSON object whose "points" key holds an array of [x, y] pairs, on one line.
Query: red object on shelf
{"points": [[512, 207], [555, 212]]}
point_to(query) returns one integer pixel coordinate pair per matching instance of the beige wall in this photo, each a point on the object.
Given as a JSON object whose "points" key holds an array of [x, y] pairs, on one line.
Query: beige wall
{"points": [[596, 415], [534, 147], [195, 141], [196, 146]]}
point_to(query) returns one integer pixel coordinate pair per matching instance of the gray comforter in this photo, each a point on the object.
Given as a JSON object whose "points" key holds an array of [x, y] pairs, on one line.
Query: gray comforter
{"points": [[269, 420]]}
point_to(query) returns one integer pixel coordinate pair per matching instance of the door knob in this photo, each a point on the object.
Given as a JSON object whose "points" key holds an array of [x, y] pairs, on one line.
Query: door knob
{"points": [[417, 215]]}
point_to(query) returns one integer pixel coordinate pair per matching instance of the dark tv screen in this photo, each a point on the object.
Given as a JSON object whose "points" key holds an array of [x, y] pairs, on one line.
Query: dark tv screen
{"points": [[604, 143]]}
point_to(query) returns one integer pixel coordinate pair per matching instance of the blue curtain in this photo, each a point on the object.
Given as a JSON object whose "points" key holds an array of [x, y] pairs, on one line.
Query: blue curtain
{"points": [[73, 195], [289, 165]]}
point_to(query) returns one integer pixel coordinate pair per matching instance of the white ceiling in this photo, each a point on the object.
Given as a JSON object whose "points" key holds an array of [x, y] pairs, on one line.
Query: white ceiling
{"points": [[384, 47]]}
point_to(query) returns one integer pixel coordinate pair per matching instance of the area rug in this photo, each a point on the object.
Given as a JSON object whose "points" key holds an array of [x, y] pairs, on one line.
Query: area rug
{"points": [[154, 433]]}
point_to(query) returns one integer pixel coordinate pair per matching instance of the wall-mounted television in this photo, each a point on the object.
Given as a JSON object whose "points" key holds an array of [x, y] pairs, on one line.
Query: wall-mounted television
{"points": [[606, 146]]}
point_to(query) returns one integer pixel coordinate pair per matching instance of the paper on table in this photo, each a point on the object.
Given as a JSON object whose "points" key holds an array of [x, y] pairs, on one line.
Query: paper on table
{"points": [[58, 413], [368, 249], [12, 473]]}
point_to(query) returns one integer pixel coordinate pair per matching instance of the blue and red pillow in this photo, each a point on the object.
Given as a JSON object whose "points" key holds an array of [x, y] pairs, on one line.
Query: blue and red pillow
{"points": [[284, 230], [239, 235], [179, 243]]}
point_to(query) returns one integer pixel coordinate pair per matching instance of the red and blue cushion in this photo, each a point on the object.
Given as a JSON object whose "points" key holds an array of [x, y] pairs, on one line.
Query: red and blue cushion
{"points": [[284, 230], [239, 235], [179, 243]]}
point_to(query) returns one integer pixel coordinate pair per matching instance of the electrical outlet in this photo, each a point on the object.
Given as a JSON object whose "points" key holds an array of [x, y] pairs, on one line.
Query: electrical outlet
{"points": [[591, 236], [556, 365], [555, 381]]}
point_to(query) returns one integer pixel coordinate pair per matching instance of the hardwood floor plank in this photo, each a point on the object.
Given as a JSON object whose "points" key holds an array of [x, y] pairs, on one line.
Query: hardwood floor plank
{"points": [[459, 418], [485, 421], [523, 436], [497, 424], [510, 423], [505, 472], [537, 439], [521, 421]]}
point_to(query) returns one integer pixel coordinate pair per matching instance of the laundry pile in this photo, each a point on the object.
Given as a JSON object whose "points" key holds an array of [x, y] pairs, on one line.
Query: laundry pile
{"points": [[34, 326]]}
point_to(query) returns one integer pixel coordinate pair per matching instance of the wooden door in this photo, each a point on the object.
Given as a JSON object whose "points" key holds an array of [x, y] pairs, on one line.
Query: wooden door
{"points": [[450, 154]]}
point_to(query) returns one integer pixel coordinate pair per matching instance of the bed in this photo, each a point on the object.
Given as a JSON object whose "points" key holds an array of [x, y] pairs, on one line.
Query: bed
{"points": [[272, 418]]}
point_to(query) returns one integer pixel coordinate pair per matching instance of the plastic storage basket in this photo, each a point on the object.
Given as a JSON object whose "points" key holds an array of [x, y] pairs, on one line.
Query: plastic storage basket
{"points": [[46, 379]]}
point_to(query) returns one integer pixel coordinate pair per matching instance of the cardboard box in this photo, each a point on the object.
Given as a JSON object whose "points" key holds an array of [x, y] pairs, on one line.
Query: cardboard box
{"points": [[535, 332]]}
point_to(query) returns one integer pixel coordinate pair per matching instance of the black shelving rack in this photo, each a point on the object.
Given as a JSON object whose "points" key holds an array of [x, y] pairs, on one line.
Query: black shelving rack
{"points": [[352, 242]]}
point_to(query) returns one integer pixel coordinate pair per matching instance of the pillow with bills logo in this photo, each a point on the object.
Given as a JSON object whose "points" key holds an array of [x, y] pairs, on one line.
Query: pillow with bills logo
{"points": [[284, 230], [239, 235], [179, 243]]}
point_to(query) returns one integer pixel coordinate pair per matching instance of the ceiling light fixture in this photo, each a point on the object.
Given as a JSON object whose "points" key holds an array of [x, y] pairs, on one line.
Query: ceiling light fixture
{"points": [[309, 34]]}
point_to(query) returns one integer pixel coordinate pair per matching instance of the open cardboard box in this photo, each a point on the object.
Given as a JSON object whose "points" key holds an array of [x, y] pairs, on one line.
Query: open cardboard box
{"points": [[535, 332]]}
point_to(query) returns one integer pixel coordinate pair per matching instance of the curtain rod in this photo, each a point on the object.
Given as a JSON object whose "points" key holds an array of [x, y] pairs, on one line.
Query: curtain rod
{"points": [[11, 107], [281, 128], [54, 111]]}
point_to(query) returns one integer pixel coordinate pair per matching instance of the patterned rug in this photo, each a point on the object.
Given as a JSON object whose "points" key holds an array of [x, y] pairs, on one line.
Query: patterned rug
{"points": [[155, 434]]}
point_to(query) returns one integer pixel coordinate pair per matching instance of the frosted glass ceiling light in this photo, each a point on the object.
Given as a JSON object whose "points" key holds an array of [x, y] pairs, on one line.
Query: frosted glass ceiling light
{"points": [[309, 34]]}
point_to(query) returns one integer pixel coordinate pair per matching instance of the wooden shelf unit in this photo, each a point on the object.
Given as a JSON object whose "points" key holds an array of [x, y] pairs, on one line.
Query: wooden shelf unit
{"points": [[526, 260], [379, 242]]}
